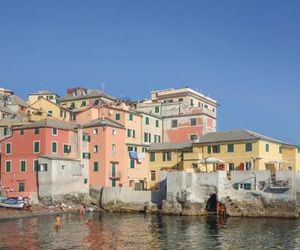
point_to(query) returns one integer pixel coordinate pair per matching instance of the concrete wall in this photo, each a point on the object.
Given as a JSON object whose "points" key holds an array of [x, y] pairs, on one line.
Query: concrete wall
{"points": [[62, 177], [114, 195]]}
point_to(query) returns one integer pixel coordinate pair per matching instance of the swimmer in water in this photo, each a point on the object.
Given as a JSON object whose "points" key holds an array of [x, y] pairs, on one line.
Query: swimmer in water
{"points": [[57, 221]]}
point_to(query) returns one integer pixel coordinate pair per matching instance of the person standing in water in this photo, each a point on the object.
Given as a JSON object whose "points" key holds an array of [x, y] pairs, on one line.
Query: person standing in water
{"points": [[57, 222]]}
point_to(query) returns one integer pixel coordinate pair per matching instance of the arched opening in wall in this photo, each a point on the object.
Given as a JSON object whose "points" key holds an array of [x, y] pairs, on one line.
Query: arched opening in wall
{"points": [[211, 204]]}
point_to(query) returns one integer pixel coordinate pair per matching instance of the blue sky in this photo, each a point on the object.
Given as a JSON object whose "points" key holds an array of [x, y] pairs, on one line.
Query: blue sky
{"points": [[245, 54]]}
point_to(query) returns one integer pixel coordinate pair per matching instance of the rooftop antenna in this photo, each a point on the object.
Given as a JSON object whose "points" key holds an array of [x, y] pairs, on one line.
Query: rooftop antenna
{"points": [[103, 86]]}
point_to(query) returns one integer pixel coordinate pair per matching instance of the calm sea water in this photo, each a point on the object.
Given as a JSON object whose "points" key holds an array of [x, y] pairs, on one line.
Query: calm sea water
{"points": [[139, 231]]}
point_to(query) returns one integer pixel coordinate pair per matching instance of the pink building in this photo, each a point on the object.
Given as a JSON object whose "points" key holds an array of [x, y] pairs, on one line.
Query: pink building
{"points": [[106, 153], [21, 152]]}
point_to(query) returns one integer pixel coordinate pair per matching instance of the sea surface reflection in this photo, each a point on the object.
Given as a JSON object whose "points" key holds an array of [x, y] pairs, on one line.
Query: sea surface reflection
{"points": [[139, 231]]}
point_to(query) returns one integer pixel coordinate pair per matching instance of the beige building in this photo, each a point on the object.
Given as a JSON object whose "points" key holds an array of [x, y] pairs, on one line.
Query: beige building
{"points": [[48, 95]]}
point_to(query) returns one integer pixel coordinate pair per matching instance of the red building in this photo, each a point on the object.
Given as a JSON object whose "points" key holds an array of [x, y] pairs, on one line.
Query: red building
{"points": [[21, 152]]}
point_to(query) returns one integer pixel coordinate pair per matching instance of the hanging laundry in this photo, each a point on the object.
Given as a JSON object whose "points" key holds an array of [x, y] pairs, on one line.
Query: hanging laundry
{"points": [[141, 156], [133, 155]]}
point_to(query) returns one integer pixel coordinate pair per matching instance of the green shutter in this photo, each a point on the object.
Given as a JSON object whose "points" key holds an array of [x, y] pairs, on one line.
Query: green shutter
{"points": [[130, 117], [96, 166], [8, 148], [36, 131], [247, 186], [8, 166], [21, 187], [236, 186], [23, 166], [36, 147], [152, 156], [36, 165], [248, 147], [132, 163], [209, 149], [54, 147], [156, 109], [147, 120], [118, 117], [157, 123]]}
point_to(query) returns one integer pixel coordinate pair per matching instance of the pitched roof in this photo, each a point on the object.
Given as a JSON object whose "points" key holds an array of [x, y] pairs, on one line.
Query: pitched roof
{"points": [[52, 123], [16, 100], [235, 135], [92, 94], [170, 146], [14, 120], [44, 92], [102, 122], [5, 109]]}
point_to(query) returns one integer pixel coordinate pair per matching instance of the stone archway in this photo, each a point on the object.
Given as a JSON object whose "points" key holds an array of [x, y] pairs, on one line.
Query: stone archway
{"points": [[211, 204]]}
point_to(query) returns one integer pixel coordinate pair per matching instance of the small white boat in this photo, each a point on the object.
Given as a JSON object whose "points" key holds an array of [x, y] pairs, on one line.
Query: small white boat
{"points": [[11, 203]]}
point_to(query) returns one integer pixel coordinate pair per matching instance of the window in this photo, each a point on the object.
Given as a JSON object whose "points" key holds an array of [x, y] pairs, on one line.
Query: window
{"points": [[95, 149], [86, 155], [280, 149], [86, 137], [130, 117], [191, 102], [83, 104], [147, 120], [114, 132], [132, 163], [21, 131], [5, 131], [23, 166], [146, 139], [167, 156], [36, 131], [130, 133], [35, 165], [157, 123], [133, 133], [54, 131], [95, 131], [8, 148], [156, 109], [230, 148], [96, 166], [50, 112], [180, 99], [267, 147], [8, 166], [231, 166], [153, 175], [85, 180], [118, 117], [193, 121], [159, 138], [54, 147], [209, 149], [152, 156], [248, 165], [43, 167], [174, 123], [21, 187], [248, 147], [113, 148], [36, 147], [67, 148], [193, 137], [216, 149]]}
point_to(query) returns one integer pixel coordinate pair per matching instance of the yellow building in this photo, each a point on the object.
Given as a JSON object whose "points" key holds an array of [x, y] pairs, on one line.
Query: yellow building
{"points": [[44, 108], [241, 150], [48, 95], [233, 150], [166, 156]]}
